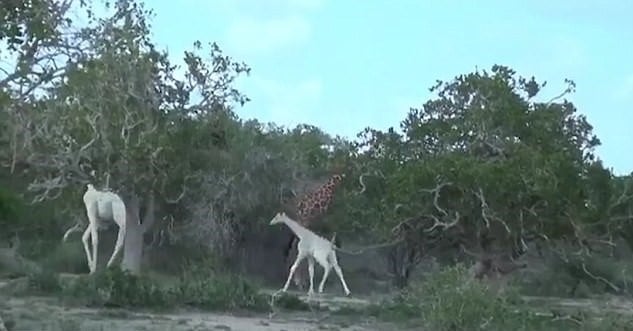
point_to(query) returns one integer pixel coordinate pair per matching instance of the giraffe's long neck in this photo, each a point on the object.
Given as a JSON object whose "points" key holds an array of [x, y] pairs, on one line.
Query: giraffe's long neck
{"points": [[316, 203], [334, 181], [298, 230]]}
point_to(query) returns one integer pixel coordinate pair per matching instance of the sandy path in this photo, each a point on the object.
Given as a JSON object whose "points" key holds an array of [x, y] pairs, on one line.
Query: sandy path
{"points": [[36, 313]]}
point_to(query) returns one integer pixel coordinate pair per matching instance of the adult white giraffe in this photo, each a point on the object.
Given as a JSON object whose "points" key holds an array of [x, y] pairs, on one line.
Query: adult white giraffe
{"points": [[102, 207]]}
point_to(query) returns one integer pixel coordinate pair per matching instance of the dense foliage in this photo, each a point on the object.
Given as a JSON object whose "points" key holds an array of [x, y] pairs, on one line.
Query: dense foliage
{"points": [[487, 165]]}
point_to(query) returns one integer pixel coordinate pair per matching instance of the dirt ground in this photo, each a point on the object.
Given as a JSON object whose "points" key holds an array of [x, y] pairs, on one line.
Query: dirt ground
{"points": [[605, 304], [46, 314], [29, 313]]}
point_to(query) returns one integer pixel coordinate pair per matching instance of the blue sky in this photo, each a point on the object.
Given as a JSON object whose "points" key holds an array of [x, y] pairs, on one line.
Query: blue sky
{"points": [[345, 65]]}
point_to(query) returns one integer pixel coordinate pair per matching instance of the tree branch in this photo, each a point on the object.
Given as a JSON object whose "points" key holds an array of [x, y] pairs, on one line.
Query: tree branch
{"points": [[436, 195], [484, 211], [363, 175], [444, 225], [182, 193]]}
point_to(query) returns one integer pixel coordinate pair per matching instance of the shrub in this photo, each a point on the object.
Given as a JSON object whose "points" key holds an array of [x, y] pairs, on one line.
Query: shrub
{"points": [[204, 286], [66, 257], [452, 300], [117, 288], [43, 281], [199, 285]]}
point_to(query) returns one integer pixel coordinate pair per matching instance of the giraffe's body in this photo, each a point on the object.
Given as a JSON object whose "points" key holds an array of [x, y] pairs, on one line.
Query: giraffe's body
{"points": [[309, 208], [314, 248]]}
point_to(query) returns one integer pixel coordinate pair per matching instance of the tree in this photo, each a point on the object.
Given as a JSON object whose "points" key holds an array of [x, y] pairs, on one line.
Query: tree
{"points": [[121, 118], [482, 166], [40, 40]]}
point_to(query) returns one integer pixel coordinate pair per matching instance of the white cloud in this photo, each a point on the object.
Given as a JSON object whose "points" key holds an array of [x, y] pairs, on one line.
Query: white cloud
{"points": [[275, 5], [305, 4], [264, 36], [289, 103], [259, 28], [262, 27], [568, 53], [625, 90]]}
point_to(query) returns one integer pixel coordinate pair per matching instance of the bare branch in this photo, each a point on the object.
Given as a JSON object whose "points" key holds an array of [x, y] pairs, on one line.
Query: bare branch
{"points": [[436, 196], [398, 206], [92, 121], [183, 192], [532, 209], [484, 206], [46, 187], [485, 209], [601, 279], [361, 178], [570, 88], [468, 252], [75, 228], [444, 225], [362, 183]]}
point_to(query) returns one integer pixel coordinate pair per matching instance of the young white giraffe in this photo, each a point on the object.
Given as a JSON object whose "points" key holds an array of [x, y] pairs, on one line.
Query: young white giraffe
{"points": [[314, 248]]}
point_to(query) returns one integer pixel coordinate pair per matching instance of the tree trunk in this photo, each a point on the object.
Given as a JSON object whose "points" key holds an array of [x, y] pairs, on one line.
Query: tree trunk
{"points": [[133, 247], [403, 259], [2, 326], [134, 237]]}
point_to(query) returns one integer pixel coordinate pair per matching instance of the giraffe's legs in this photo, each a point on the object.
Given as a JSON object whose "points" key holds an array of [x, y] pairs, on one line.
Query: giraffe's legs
{"points": [[85, 238], [291, 244], [311, 275], [298, 277], [300, 256], [119, 215], [339, 273], [326, 273], [94, 234]]}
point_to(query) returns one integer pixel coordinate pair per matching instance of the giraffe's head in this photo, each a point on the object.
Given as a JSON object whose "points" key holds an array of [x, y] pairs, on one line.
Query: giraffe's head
{"points": [[336, 178], [279, 218], [328, 189]]}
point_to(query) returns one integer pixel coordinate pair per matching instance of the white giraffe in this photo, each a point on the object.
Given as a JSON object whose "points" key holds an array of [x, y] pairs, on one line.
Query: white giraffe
{"points": [[101, 207], [314, 248]]}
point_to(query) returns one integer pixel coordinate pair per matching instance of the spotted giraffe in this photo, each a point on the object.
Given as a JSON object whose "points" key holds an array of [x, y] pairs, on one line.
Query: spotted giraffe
{"points": [[309, 208]]}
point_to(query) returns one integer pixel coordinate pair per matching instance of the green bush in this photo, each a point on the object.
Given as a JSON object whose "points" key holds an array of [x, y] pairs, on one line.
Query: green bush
{"points": [[454, 301], [9, 207], [44, 281], [451, 300], [114, 287], [202, 285], [66, 257]]}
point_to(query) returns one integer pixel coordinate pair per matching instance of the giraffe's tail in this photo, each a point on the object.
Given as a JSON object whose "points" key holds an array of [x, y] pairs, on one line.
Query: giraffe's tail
{"points": [[76, 228]]}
